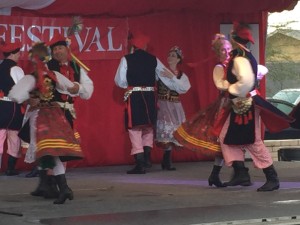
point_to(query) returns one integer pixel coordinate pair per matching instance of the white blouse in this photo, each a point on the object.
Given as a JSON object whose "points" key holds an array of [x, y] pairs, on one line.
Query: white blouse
{"points": [[20, 91], [219, 79]]}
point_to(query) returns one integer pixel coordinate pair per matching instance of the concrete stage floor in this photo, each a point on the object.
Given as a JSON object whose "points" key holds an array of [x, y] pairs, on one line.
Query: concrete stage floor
{"points": [[108, 196]]}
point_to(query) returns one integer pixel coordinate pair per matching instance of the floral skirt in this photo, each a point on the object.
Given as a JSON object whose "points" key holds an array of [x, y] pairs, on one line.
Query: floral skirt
{"points": [[200, 133], [52, 135], [169, 117]]}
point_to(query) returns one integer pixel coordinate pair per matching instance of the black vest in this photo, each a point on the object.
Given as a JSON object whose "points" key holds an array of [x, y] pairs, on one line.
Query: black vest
{"points": [[241, 134], [6, 81], [11, 116], [141, 69], [141, 73]]}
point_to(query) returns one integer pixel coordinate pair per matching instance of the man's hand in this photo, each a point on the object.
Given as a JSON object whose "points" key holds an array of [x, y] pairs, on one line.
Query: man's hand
{"points": [[74, 89]]}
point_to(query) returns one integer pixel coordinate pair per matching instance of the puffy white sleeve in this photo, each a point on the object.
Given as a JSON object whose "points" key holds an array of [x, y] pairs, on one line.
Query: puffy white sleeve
{"points": [[63, 83], [218, 78], [20, 91], [261, 71], [120, 77], [245, 77], [86, 85], [16, 73], [159, 69], [181, 85]]}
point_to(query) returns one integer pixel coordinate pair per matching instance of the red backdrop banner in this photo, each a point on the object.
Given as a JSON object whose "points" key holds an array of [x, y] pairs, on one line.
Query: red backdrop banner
{"points": [[100, 119], [99, 38]]}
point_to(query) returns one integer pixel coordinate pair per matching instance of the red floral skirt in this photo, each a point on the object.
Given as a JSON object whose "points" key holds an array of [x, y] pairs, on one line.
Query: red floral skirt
{"points": [[200, 133], [54, 135]]}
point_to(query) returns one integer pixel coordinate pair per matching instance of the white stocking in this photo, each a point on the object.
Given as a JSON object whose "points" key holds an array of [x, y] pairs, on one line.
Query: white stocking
{"points": [[219, 161], [59, 167]]}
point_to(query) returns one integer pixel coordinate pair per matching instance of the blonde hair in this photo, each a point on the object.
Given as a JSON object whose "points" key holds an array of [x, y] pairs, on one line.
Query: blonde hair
{"points": [[218, 41]]}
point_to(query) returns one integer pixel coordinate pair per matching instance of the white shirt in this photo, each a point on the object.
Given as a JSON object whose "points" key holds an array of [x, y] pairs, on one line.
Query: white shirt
{"points": [[20, 91], [86, 86], [219, 79], [245, 77], [181, 85]]}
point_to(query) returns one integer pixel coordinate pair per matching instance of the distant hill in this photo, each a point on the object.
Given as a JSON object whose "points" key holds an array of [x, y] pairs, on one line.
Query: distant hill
{"points": [[287, 32], [283, 45]]}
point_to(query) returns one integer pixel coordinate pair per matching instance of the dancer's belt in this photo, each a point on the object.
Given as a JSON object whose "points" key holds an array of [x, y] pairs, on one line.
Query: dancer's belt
{"points": [[68, 106], [132, 89], [169, 98], [4, 98]]}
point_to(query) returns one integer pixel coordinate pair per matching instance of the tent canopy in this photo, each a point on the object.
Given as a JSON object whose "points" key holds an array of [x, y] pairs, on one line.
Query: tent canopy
{"points": [[121, 8]]}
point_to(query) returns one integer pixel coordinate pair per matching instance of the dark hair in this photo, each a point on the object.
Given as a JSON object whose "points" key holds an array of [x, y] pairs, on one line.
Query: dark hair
{"points": [[6, 54], [64, 43]]}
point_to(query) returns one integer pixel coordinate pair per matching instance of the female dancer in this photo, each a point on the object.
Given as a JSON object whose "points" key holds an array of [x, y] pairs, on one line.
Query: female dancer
{"points": [[200, 133], [52, 140], [170, 113]]}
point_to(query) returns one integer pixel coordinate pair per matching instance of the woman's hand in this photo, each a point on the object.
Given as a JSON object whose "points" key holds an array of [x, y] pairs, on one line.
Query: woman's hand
{"points": [[167, 73]]}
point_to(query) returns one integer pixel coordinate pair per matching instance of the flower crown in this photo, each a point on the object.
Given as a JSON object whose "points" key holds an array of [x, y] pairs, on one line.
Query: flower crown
{"points": [[177, 50], [46, 55]]}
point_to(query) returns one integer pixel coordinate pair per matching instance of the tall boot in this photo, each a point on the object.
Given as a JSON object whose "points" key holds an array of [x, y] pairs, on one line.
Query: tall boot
{"points": [[147, 156], [167, 161], [42, 187], [214, 178], [139, 166], [64, 191], [52, 191], [241, 175], [11, 171], [272, 182]]}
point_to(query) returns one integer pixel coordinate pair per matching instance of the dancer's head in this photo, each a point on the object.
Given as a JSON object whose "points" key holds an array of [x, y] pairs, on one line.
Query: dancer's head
{"points": [[222, 47]]}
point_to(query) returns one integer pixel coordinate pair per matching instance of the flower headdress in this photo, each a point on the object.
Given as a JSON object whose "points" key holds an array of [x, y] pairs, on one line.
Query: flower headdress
{"points": [[41, 51], [177, 50]]}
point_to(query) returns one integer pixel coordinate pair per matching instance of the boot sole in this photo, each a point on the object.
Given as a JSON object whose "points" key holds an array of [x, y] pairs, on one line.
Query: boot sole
{"points": [[244, 184], [272, 189]]}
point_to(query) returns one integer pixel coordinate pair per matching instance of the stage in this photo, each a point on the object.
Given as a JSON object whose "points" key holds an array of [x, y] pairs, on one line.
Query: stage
{"points": [[108, 196]]}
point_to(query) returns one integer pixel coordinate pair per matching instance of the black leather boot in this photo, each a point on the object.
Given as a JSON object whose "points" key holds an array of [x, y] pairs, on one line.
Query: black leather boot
{"points": [[42, 187], [167, 161], [272, 182], [11, 171], [147, 156], [214, 178], [241, 175], [139, 166], [64, 191], [52, 191]]}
